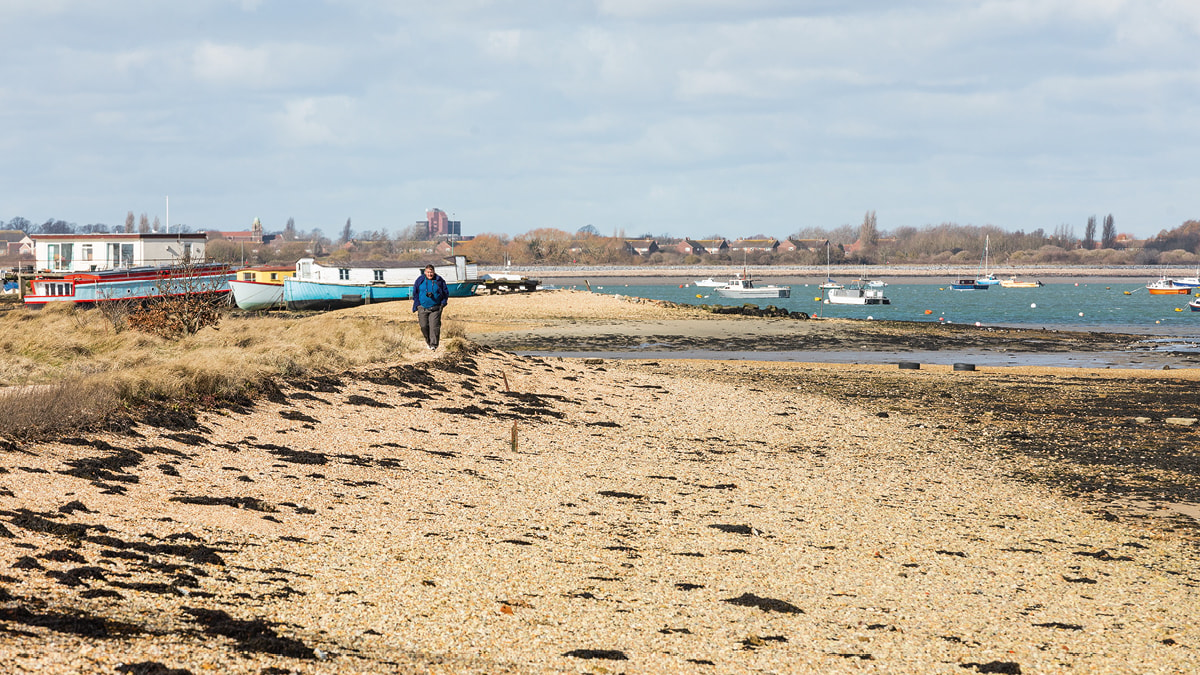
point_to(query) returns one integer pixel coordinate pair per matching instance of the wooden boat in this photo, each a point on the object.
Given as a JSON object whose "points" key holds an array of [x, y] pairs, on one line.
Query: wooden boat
{"points": [[258, 288], [1165, 286], [129, 284], [856, 293], [334, 286], [742, 286], [1012, 282]]}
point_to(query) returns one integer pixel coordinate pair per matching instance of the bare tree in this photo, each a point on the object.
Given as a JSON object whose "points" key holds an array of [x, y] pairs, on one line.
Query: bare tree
{"points": [[347, 233], [289, 230], [868, 232], [144, 224], [156, 225], [129, 222], [1108, 239], [1089, 234]]}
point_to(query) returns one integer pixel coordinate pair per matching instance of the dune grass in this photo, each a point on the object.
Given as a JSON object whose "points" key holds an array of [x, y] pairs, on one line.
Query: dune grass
{"points": [[62, 367]]}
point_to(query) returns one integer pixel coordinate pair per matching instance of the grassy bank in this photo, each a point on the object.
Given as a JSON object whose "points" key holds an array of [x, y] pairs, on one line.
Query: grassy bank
{"points": [[63, 367]]}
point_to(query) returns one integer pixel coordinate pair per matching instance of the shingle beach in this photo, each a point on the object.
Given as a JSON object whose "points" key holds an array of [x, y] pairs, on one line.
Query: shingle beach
{"points": [[476, 511]]}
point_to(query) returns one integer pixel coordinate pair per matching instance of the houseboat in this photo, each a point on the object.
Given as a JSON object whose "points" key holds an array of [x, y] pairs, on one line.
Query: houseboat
{"points": [[323, 286], [258, 288], [134, 283]]}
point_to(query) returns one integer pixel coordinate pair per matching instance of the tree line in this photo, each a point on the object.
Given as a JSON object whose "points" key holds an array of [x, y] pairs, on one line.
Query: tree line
{"points": [[865, 244]]}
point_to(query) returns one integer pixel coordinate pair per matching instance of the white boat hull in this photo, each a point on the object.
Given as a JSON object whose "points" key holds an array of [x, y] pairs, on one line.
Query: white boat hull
{"points": [[254, 295]]}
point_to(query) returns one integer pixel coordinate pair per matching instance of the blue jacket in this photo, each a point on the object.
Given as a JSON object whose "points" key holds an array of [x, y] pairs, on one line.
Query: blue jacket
{"points": [[430, 293]]}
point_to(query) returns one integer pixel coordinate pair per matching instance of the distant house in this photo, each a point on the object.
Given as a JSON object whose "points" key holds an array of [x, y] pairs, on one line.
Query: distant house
{"points": [[713, 246], [1128, 242], [97, 252], [687, 247], [754, 245], [641, 246], [16, 243], [803, 244]]}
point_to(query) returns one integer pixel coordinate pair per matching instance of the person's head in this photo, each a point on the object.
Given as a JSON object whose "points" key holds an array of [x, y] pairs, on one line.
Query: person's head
{"points": [[429, 273]]}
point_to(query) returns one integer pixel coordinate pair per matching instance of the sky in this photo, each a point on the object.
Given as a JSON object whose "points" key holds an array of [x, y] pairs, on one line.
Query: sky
{"points": [[668, 117]]}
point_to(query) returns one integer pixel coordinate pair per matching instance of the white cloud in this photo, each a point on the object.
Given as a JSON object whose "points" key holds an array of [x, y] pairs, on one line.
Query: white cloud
{"points": [[263, 66]]}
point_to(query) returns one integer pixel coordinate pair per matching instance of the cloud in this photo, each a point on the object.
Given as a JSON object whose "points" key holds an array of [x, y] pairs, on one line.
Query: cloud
{"points": [[269, 66]]}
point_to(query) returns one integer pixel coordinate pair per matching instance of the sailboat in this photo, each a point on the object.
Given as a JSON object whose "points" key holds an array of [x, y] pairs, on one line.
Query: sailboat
{"points": [[986, 278], [829, 283]]}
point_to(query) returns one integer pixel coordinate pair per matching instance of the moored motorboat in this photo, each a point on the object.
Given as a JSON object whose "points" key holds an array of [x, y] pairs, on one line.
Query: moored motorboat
{"points": [[1194, 305], [968, 285], [742, 286], [1012, 282], [1165, 286], [709, 283], [257, 288], [856, 293]]}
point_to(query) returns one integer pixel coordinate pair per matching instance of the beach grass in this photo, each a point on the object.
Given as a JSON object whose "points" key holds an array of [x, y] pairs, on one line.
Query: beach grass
{"points": [[62, 366]]}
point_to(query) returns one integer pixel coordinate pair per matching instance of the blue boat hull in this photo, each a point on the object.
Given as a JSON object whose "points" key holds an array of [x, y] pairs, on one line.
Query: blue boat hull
{"points": [[318, 295]]}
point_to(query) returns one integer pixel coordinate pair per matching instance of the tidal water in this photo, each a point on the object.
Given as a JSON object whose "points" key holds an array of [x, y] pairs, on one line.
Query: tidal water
{"points": [[1057, 306]]}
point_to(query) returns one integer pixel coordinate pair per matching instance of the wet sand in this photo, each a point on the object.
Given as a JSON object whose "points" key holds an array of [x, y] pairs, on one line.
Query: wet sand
{"points": [[485, 512]]}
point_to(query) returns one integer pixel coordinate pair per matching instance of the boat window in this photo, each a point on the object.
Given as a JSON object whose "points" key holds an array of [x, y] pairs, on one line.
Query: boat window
{"points": [[378, 275], [247, 276], [343, 274], [274, 276]]}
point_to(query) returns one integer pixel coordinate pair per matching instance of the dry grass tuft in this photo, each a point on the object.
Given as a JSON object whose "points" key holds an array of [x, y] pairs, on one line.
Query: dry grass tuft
{"points": [[49, 410]]}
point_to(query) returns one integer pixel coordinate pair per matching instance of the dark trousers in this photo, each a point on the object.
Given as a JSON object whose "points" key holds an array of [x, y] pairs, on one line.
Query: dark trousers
{"points": [[431, 324]]}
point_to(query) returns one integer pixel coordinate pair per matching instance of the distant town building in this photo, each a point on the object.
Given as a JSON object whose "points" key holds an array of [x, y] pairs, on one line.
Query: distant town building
{"points": [[252, 236], [97, 252], [437, 225]]}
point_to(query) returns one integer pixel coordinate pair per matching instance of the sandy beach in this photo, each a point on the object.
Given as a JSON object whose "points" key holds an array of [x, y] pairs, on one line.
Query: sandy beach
{"points": [[479, 511]]}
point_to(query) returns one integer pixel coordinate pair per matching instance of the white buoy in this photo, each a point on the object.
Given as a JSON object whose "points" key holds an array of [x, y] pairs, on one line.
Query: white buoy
{"points": [[1033, 305], [977, 324], [1081, 314], [869, 318]]}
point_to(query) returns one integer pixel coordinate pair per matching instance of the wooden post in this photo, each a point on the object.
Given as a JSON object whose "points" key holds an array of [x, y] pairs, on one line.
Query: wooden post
{"points": [[505, 376], [514, 436]]}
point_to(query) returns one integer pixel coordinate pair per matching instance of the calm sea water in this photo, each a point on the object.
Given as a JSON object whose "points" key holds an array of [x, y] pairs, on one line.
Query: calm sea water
{"points": [[1088, 306]]}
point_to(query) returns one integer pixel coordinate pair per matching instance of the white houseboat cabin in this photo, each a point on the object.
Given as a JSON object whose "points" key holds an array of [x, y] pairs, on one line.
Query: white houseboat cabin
{"points": [[66, 253]]}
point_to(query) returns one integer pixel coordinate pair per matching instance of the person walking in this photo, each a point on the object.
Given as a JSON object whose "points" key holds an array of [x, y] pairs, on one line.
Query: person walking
{"points": [[429, 297]]}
